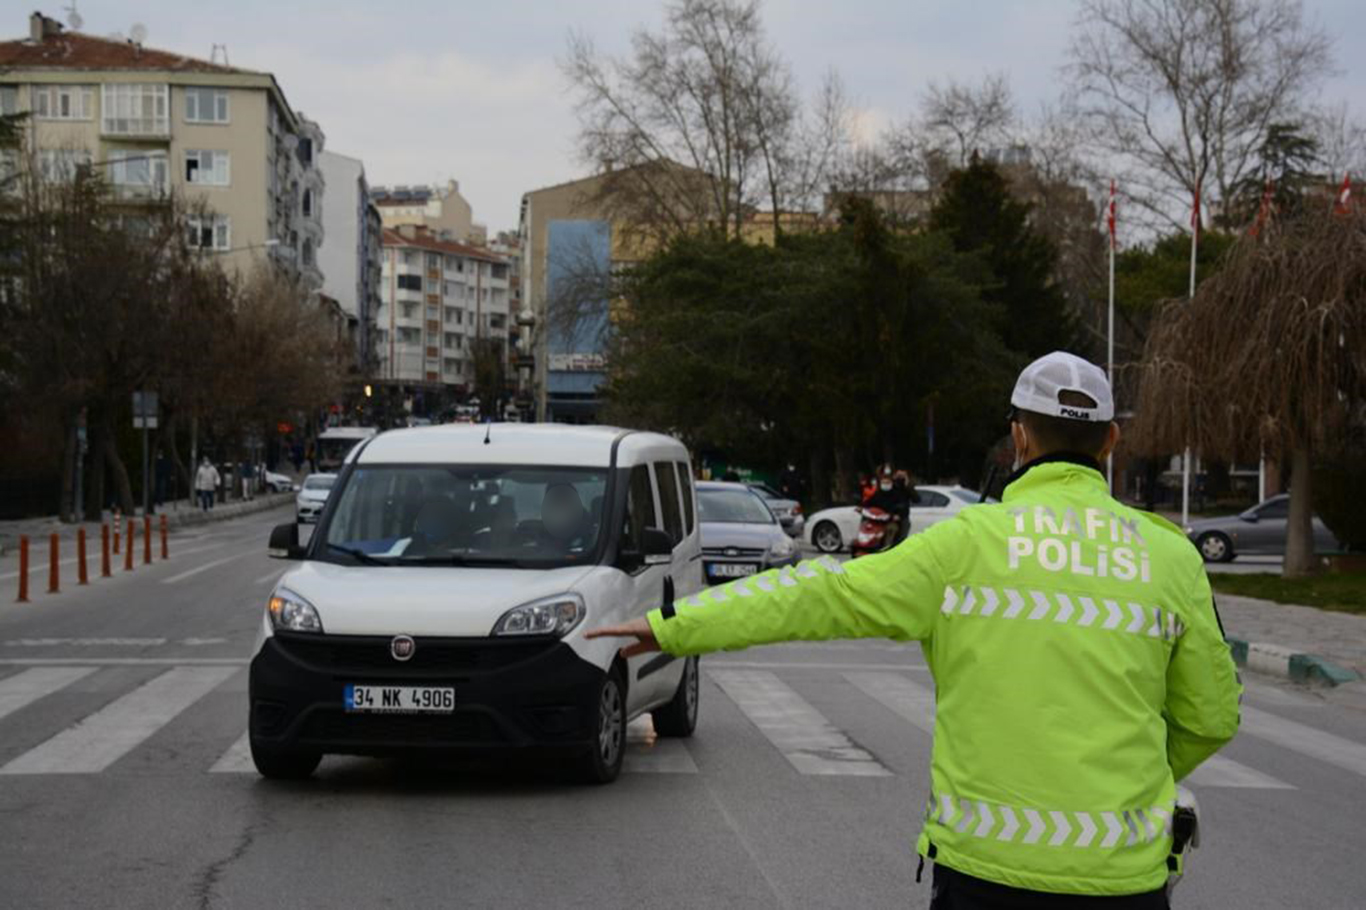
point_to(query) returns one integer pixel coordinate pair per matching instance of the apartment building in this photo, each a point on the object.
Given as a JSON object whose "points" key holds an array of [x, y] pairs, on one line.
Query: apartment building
{"points": [[159, 123], [437, 298], [351, 260], [441, 210]]}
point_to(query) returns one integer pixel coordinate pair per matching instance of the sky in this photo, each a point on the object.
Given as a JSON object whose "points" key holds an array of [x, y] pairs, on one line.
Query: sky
{"points": [[426, 90]]}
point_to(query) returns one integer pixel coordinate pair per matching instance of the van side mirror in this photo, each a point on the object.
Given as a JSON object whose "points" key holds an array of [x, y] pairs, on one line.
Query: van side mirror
{"points": [[284, 542], [657, 546]]}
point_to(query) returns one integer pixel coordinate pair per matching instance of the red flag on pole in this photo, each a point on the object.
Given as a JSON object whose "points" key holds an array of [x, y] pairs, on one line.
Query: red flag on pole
{"points": [[1110, 218], [1263, 211], [1344, 199]]}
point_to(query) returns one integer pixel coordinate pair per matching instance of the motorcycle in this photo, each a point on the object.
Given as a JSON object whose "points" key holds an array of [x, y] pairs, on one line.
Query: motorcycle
{"points": [[876, 531]]}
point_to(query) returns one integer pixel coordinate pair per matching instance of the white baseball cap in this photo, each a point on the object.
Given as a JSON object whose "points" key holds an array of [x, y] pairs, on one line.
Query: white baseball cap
{"points": [[1045, 379]]}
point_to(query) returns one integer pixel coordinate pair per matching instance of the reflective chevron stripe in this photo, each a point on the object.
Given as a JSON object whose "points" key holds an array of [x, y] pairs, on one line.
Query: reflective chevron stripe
{"points": [[1049, 827], [1129, 618]]}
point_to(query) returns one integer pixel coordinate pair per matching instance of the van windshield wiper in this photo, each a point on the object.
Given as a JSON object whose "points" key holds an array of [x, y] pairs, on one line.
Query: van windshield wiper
{"points": [[360, 555]]}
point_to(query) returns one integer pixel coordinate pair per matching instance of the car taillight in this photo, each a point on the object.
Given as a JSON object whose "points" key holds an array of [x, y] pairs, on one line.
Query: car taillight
{"points": [[797, 509]]}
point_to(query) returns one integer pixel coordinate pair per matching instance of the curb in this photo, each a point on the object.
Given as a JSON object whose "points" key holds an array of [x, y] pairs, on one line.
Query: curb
{"points": [[1288, 664]]}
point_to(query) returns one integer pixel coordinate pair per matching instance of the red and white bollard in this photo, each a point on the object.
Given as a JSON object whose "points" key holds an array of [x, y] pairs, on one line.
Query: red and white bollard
{"points": [[23, 571], [104, 551], [82, 576], [165, 548], [128, 548], [146, 540], [53, 581]]}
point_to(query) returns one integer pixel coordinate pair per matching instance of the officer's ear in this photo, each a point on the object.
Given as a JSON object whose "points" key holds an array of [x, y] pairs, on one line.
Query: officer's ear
{"points": [[1020, 437], [1111, 440]]}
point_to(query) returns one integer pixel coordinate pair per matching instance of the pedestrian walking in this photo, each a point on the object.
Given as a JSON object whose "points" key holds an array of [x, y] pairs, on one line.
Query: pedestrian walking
{"points": [[206, 481], [1079, 664], [246, 472]]}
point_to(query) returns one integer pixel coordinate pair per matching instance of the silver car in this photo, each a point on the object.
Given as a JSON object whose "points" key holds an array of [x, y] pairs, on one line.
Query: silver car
{"points": [[1261, 529], [312, 497], [787, 511], [740, 535]]}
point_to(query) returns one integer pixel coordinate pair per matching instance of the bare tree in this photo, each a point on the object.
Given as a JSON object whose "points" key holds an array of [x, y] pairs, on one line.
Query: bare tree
{"points": [[957, 119], [1181, 92]]}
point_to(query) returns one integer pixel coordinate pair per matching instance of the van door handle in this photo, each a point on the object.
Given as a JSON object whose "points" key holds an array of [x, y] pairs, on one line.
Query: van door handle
{"points": [[668, 590]]}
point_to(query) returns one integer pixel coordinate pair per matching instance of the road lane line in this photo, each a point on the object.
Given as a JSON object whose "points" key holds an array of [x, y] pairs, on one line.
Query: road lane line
{"points": [[1305, 740], [104, 737], [27, 687], [910, 701], [174, 579], [237, 760], [34, 567], [801, 733], [84, 642], [124, 661], [271, 576], [1218, 771]]}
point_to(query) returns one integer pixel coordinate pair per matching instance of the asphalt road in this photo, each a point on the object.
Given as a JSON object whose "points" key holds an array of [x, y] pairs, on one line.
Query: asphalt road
{"points": [[123, 782]]}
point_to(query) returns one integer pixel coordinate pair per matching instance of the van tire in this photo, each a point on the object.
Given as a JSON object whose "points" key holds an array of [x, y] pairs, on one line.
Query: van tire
{"points": [[602, 763], [679, 717], [284, 764]]}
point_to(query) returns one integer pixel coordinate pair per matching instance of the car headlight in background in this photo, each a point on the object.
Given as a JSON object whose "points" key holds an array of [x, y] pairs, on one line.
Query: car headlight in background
{"points": [[781, 549], [548, 616], [292, 613]]}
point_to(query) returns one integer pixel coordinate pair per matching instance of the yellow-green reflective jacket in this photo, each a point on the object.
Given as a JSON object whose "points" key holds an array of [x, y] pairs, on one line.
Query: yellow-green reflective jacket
{"points": [[1079, 667]]}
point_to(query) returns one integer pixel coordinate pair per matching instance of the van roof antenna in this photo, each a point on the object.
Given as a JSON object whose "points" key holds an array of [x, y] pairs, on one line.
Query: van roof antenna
{"points": [[488, 428]]}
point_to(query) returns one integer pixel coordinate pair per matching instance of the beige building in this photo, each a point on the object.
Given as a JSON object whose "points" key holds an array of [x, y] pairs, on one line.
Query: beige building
{"points": [[437, 297], [159, 123], [441, 210]]}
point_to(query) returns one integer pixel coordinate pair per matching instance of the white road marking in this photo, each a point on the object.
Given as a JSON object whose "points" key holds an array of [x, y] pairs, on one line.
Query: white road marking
{"points": [[1218, 771], [271, 576], [200, 642], [27, 687], [124, 661], [910, 701], [800, 732], [1275, 695], [174, 579], [237, 760], [1305, 740], [662, 756], [84, 642], [104, 737], [35, 564]]}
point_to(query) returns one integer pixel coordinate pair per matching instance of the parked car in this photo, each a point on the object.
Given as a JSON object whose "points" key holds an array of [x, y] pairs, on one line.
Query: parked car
{"points": [[1261, 529], [279, 483], [308, 505], [740, 533], [787, 511], [440, 605], [834, 529]]}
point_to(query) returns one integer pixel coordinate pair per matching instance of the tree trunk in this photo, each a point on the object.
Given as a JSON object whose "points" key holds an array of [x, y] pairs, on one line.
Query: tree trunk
{"points": [[182, 473], [1299, 537], [66, 506], [122, 486], [820, 479], [94, 467]]}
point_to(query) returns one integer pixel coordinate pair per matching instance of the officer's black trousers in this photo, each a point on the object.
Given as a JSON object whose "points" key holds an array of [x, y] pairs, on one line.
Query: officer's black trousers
{"points": [[956, 891]]}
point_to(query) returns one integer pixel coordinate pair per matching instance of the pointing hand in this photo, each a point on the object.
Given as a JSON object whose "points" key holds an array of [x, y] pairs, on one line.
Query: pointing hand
{"points": [[638, 629]]}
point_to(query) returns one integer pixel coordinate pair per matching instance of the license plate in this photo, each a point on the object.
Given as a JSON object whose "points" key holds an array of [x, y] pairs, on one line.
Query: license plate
{"points": [[732, 569], [399, 699]]}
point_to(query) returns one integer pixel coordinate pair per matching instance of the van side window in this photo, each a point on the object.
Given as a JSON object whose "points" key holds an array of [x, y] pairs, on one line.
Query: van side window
{"points": [[668, 499], [640, 508], [685, 486]]}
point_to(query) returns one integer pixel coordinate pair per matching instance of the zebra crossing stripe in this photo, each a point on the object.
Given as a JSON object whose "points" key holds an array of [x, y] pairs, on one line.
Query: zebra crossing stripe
{"points": [[660, 756], [909, 700], [801, 733], [1218, 771], [24, 688], [1306, 740], [237, 759], [116, 729]]}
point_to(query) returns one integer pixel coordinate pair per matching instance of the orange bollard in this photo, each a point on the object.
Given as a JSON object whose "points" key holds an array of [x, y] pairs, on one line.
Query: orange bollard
{"points": [[81, 575], [23, 570], [146, 540], [116, 533], [128, 549], [104, 551], [165, 550], [53, 582]]}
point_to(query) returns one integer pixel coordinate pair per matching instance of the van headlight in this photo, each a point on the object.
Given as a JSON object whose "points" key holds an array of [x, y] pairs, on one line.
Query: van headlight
{"points": [[547, 616], [290, 612]]}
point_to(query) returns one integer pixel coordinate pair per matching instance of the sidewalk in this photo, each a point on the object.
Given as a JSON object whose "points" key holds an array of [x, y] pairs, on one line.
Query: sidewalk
{"points": [[178, 514]]}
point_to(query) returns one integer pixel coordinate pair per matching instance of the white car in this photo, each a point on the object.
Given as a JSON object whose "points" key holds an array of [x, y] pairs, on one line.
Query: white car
{"points": [[831, 530], [308, 505], [280, 483], [442, 602]]}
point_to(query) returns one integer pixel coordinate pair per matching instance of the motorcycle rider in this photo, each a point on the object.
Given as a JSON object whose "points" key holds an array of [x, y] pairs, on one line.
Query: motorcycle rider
{"points": [[894, 496], [1079, 664]]}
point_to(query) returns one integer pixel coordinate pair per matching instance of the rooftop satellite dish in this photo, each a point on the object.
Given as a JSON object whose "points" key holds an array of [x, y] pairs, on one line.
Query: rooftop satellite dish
{"points": [[138, 33], [75, 21]]}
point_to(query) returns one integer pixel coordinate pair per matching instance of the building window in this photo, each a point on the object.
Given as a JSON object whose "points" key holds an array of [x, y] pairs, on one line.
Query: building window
{"points": [[210, 105], [500, 271], [138, 172], [135, 109], [409, 336], [431, 311], [9, 100], [208, 168], [497, 321], [410, 257], [308, 251], [410, 282], [60, 165], [213, 232], [308, 202], [305, 150], [9, 171], [433, 286], [409, 310], [63, 102]]}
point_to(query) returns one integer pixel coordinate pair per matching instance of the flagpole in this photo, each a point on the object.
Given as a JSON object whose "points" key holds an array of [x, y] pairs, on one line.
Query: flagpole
{"points": [[1186, 456], [1110, 335]]}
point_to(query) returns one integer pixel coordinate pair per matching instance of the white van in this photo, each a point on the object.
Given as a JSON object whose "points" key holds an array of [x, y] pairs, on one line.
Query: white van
{"points": [[441, 602]]}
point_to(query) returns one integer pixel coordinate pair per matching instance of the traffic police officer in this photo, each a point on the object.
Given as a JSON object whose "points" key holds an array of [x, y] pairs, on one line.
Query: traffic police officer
{"points": [[1079, 665]]}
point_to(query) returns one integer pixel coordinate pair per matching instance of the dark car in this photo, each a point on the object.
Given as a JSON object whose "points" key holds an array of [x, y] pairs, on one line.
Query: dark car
{"points": [[1261, 529], [740, 535]]}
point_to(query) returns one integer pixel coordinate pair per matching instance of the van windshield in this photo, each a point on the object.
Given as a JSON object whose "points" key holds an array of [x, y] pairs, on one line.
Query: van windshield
{"points": [[524, 516]]}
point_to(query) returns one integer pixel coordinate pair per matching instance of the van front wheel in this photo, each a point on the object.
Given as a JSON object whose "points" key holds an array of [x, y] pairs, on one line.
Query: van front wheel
{"points": [[679, 717], [602, 763]]}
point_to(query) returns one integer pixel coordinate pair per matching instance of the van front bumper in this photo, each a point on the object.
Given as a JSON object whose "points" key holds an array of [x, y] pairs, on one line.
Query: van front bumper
{"points": [[509, 693]]}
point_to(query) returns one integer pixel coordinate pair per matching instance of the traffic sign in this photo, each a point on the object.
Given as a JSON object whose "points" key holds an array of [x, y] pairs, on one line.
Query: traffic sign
{"points": [[145, 410]]}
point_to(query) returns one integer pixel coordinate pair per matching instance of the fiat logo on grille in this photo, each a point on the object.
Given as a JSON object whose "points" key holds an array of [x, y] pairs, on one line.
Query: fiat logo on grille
{"points": [[402, 647]]}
